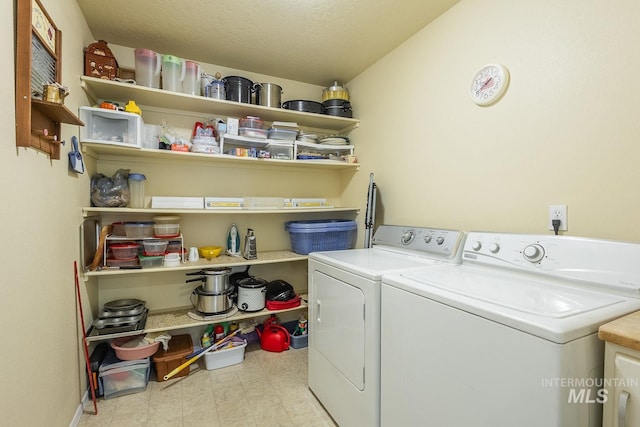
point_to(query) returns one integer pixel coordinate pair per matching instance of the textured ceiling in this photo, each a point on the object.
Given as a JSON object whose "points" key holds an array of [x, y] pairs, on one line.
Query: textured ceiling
{"points": [[313, 41]]}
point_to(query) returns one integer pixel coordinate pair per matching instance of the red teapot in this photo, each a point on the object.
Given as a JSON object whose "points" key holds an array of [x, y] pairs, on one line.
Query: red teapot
{"points": [[273, 337]]}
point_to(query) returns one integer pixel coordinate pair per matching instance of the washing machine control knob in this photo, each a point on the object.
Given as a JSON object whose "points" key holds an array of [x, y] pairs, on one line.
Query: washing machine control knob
{"points": [[494, 248], [476, 246], [439, 240], [427, 239], [533, 253], [407, 237]]}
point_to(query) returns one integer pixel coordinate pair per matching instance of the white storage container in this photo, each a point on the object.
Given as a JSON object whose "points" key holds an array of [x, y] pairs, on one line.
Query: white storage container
{"points": [[111, 127], [281, 150], [223, 358]]}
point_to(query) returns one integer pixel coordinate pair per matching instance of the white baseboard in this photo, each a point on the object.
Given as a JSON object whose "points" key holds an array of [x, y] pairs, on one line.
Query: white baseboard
{"points": [[76, 417]]}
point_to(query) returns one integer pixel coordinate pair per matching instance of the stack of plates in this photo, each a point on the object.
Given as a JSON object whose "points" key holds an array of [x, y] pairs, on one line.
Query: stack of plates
{"points": [[334, 140], [307, 137]]}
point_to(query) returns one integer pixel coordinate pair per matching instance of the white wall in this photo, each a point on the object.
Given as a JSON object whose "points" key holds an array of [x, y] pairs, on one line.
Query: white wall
{"points": [[40, 363], [566, 131]]}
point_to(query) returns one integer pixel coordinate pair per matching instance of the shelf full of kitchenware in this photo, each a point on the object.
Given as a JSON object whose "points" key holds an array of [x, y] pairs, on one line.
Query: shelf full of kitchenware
{"points": [[178, 318], [165, 103]]}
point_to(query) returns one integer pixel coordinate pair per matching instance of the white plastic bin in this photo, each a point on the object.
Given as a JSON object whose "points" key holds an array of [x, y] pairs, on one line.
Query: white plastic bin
{"points": [[111, 127], [223, 358]]}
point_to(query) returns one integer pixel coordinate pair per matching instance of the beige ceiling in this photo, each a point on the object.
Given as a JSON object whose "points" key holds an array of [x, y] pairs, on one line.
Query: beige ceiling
{"points": [[313, 41]]}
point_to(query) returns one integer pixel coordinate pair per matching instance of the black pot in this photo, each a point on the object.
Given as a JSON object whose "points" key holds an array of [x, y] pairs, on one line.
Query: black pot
{"points": [[238, 89], [302, 105], [338, 107]]}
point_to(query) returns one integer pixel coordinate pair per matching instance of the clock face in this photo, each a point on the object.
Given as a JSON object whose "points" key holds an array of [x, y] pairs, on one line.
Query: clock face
{"points": [[489, 84]]}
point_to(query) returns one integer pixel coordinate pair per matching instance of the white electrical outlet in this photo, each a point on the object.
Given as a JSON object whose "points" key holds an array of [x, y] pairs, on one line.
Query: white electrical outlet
{"points": [[558, 212]]}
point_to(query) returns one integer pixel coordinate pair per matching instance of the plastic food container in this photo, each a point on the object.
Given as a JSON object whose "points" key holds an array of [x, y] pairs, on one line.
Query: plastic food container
{"points": [[174, 246], [252, 132], [155, 247], [321, 235], [137, 230], [166, 230], [172, 260], [118, 229], [180, 346], [132, 348], [251, 122], [282, 134], [124, 251], [112, 262], [150, 261]]}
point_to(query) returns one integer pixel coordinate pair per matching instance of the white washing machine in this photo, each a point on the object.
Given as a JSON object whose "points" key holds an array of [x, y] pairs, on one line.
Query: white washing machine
{"points": [[344, 315], [508, 338]]}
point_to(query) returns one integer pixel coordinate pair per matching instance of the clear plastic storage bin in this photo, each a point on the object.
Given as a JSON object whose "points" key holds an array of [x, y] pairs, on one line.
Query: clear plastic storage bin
{"points": [[111, 127]]}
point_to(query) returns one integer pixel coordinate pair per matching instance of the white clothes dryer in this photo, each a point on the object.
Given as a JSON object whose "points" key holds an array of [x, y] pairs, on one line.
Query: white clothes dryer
{"points": [[508, 338], [344, 315]]}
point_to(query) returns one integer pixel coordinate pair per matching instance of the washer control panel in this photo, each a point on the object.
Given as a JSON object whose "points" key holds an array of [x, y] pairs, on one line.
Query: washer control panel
{"points": [[594, 260], [434, 241]]}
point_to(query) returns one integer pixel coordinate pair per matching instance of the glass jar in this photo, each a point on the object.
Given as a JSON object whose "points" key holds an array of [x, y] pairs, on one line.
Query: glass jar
{"points": [[136, 190]]}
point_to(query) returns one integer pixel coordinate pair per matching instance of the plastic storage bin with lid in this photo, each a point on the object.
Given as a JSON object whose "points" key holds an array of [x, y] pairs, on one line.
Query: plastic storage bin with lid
{"points": [[321, 235], [147, 66], [180, 346], [117, 378]]}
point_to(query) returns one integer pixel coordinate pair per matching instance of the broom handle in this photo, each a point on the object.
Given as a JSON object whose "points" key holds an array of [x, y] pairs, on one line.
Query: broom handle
{"points": [[198, 356]]}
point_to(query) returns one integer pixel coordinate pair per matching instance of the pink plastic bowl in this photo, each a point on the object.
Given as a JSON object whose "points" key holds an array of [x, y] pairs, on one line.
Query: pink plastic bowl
{"points": [[136, 353]]}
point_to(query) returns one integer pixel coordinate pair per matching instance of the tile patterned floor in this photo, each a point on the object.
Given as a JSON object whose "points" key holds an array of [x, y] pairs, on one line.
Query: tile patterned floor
{"points": [[267, 389]]}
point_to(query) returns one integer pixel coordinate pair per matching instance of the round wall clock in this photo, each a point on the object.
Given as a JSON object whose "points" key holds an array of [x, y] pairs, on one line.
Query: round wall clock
{"points": [[489, 84]]}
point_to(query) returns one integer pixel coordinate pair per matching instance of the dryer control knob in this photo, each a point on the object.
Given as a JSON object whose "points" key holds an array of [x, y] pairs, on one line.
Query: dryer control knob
{"points": [[494, 248], [427, 239], [533, 253], [407, 237], [439, 240], [476, 246]]}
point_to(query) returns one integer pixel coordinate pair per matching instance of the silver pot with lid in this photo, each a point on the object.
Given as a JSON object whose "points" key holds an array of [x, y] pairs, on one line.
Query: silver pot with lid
{"points": [[210, 303], [252, 294], [214, 280]]}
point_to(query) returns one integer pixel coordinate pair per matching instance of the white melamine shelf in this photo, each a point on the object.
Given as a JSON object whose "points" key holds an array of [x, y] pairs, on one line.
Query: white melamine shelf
{"points": [[101, 89], [169, 320], [266, 257], [107, 151], [89, 211]]}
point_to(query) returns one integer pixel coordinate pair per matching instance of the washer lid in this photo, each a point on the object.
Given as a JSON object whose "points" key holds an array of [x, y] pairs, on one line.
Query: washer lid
{"points": [[372, 263], [552, 309]]}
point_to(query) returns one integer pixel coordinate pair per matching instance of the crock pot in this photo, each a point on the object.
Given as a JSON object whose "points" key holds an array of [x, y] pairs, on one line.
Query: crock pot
{"points": [[251, 294]]}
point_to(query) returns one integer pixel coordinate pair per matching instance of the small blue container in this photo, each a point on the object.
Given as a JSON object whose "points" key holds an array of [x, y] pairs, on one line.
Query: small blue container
{"points": [[321, 235]]}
